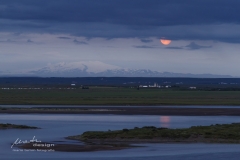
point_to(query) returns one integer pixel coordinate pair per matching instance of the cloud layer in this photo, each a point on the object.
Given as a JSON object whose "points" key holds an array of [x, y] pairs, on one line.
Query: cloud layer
{"points": [[177, 20]]}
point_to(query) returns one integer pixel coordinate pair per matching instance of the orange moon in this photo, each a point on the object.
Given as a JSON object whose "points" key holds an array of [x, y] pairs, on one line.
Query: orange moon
{"points": [[165, 41]]}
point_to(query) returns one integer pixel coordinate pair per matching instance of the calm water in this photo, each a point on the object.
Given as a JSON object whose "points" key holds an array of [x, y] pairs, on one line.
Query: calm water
{"points": [[56, 127]]}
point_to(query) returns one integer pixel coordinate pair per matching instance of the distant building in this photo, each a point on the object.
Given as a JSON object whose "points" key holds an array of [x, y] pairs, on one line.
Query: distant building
{"points": [[192, 87], [155, 85]]}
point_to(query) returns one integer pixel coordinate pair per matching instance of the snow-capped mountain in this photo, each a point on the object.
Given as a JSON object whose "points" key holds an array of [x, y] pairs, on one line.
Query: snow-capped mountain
{"points": [[100, 69], [88, 66]]}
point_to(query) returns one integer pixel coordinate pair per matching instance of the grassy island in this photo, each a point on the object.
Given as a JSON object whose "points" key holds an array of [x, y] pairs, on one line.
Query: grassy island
{"points": [[224, 133], [14, 126]]}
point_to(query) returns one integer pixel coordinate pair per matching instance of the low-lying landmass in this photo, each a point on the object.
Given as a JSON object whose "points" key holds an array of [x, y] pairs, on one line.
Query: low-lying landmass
{"points": [[14, 126], [127, 110], [219, 133]]}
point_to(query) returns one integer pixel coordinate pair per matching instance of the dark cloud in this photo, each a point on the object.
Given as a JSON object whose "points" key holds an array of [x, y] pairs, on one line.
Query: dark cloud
{"points": [[8, 41], [64, 38], [29, 41], [173, 19], [194, 46], [134, 12], [146, 40], [79, 42], [191, 46], [173, 48], [144, 46]]}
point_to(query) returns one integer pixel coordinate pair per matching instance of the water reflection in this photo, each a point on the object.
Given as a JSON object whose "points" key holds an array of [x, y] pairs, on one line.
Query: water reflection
{"points": [[165, 121]]}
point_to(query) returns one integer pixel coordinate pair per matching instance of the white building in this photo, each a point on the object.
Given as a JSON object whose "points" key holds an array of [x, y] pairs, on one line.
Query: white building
{"points": [[192, 87]]}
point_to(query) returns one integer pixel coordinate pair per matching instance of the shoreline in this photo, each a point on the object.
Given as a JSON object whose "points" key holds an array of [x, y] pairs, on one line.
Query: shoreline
{"points": [[126, 110], [77, 147], [113, 144], [156, 140]]}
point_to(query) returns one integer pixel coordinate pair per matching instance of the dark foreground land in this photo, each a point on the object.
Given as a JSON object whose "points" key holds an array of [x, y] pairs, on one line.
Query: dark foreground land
{"points": [[118, 96], [119, 91]]}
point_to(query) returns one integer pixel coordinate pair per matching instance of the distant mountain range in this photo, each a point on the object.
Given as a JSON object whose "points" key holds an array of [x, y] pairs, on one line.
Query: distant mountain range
{"points": [[100, 69]]}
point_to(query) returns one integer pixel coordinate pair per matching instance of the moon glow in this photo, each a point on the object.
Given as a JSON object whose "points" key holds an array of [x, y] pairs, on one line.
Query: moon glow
{"points": [[165, 41]]}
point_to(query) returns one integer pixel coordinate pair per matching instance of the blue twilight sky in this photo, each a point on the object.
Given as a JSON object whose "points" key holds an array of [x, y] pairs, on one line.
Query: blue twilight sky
{"points": [[205, 34]]}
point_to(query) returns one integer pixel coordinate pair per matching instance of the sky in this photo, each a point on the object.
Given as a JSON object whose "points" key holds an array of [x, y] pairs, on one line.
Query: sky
{"points": [[204, 34]]}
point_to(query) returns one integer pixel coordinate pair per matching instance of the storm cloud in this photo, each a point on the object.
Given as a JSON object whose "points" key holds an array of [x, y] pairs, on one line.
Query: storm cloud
{"points": [[194, 46], [79, 42], [177, 20], [145, 46]]}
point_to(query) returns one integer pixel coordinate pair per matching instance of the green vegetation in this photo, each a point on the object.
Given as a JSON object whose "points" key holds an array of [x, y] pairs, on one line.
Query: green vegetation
{"points": [[119, 96], [14, 126], [227, 133]]}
